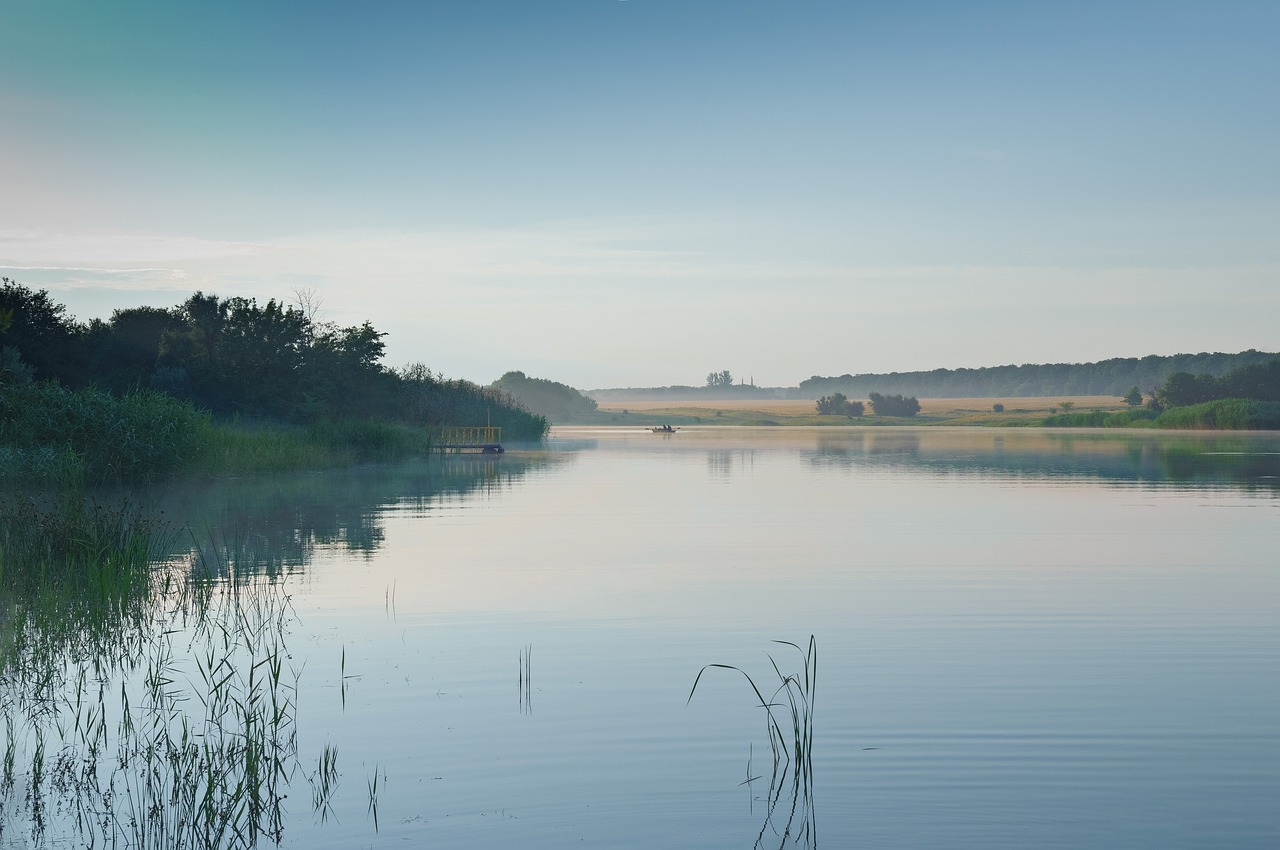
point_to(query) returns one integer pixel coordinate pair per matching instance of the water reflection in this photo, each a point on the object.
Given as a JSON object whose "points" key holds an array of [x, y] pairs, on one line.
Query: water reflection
{"points": [[1248, 461], [274, 525]]}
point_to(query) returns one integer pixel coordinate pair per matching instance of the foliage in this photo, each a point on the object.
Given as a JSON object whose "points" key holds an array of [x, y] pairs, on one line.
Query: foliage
{"points": [[837, 404], [997, 408], [45, 337], [1102, 419], [138, 436], [431, 399], [893, 405], [555, 401], [1220, 414], [143, 707], [1133, 397], [1111, 377], [1231, 414], [720, 380], [152, 371], [1259, 381]]}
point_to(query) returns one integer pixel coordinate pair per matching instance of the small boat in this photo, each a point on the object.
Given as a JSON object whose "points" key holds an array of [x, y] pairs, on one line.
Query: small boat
{"points": [[663, 429]]}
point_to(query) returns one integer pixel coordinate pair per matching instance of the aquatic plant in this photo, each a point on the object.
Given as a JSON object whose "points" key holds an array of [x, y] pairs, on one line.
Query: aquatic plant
{"points": [[524, 679], [169, 721], [139, 436], [789, 727]]}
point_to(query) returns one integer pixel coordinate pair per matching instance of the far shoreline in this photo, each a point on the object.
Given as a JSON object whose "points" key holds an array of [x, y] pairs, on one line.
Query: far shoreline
{"points": [[979, 412]]}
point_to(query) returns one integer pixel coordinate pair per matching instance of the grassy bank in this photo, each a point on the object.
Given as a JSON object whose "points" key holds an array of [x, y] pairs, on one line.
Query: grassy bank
{"points": [[1232, 414], [1028, 412], [53, 436]]}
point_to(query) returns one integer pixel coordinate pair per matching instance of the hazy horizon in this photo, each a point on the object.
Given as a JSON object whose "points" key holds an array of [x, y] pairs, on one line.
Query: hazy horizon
{"points": [[633, 194]]}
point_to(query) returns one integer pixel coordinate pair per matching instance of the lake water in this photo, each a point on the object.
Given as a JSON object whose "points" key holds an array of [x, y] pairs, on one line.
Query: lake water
{"points": [[1024, 638]]}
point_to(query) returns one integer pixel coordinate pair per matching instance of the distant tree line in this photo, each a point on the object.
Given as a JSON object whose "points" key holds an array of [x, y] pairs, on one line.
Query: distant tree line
{"points": [[1256, 381], [237, 357], [556, 401], [1106, 377]]}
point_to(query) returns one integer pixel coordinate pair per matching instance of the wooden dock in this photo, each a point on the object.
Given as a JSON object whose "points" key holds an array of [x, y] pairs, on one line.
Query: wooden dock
{"points": [[478, 439]]}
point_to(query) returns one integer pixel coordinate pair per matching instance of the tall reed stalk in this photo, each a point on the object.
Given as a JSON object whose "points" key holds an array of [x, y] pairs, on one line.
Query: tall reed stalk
{"points": [[789, 727]]}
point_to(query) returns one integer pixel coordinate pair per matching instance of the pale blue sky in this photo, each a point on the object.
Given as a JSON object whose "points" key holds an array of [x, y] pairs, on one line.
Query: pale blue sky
{"points": [[638, 192]]}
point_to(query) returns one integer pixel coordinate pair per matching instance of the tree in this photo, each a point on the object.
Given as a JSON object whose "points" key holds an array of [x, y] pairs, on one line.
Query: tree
{"points": [[47, 340], [556, 401], [997, 407], [1183, 388], [837, 404], [894, 405], [719, 380], [1133, 398], [1066, 406]]}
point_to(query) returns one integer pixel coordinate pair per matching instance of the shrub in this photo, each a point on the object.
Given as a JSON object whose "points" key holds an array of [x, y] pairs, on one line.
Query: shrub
{"points": [[894, 405]]}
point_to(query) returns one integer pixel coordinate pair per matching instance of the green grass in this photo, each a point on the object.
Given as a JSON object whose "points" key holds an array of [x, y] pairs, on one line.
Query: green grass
{"points": [[235, 450], [90, 436], [1138, 418], [1232, 414], [145, 702]]}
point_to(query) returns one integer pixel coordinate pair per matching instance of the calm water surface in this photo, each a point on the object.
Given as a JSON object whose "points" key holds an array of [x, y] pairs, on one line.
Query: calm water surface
{"points": [[1026, 638]]}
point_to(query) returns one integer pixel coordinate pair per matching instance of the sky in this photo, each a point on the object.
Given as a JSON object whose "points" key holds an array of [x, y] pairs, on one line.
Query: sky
{"points": [[618, 193]]}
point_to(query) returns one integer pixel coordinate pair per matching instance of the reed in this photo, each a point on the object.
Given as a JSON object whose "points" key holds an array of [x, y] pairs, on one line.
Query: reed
{"points": [[115, 732], [1231, 414], [789, 727], [790, 733], [95, 436]]}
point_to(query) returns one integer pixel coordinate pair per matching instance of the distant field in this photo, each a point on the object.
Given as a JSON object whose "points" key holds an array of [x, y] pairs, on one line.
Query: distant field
{"points": [[928, 406]]}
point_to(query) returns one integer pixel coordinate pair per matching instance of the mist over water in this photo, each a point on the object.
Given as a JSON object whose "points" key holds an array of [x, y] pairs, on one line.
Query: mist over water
{"points": [[1025, 638]]}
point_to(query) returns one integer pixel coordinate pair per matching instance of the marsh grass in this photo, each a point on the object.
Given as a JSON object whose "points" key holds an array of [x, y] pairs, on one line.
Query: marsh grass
{"points": [[237, 449], [143, 705], [91, 436], [788, 711]]}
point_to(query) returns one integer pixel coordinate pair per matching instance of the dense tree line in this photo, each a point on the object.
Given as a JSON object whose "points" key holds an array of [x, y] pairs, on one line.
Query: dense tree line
{"points": [[1257, 381], [556, 401], [237, 357], [1106, 377]]}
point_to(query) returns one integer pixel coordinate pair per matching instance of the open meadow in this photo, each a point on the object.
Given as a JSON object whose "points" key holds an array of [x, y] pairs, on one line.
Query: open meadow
{"points": [[949, 411]]}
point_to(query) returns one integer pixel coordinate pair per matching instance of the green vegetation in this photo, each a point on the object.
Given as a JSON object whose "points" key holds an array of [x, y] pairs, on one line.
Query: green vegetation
{"points": [[1112, 377], [1259, 381], [1232, 414], [53, 434], [1103, 419], [837, 404], [550, 399], [1247, 398], [214, 385], [142, 706], [893, 405], [789, 726]]}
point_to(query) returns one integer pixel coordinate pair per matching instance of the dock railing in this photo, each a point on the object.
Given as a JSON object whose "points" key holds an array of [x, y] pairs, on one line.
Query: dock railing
{"points": [[471, 438]]}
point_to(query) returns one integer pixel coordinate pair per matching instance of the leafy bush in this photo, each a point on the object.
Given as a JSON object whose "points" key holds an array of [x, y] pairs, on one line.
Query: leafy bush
{"points": [[893, 405], [837, 404]]}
